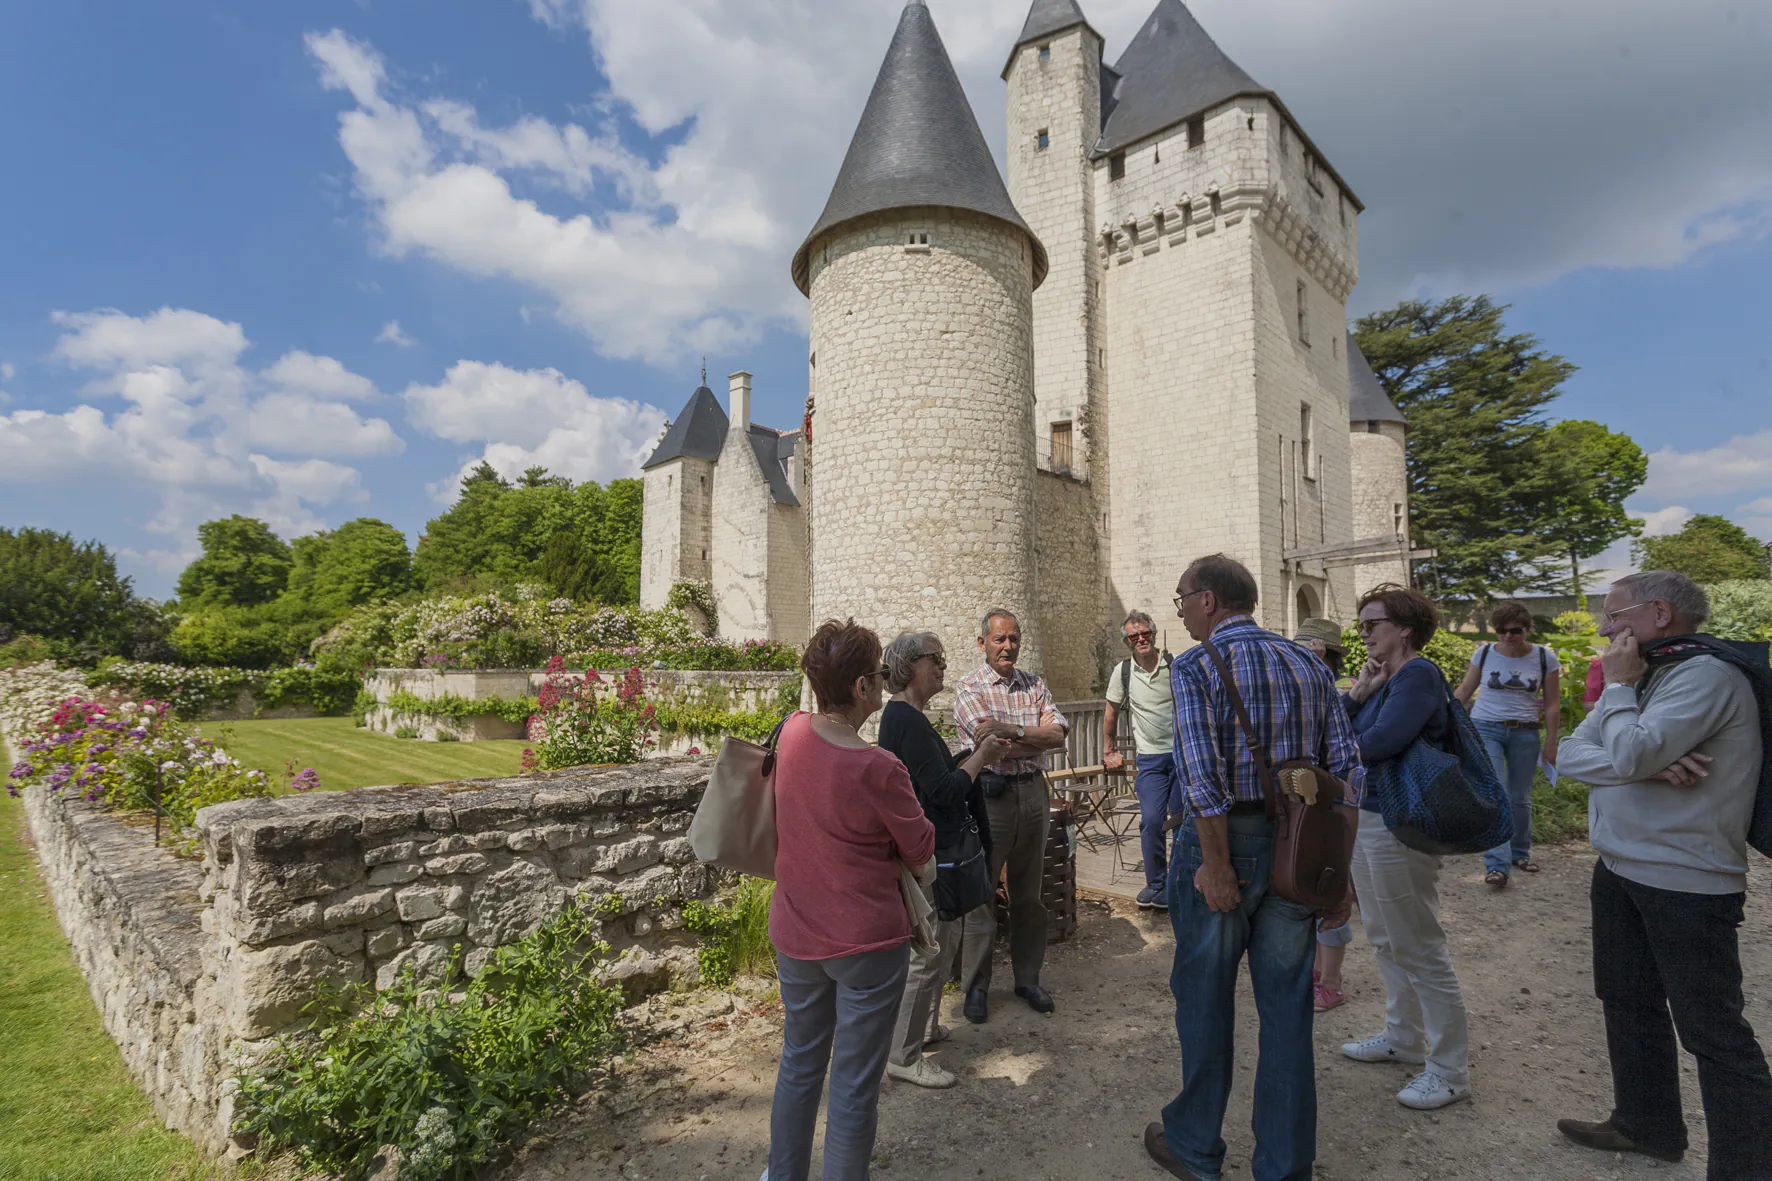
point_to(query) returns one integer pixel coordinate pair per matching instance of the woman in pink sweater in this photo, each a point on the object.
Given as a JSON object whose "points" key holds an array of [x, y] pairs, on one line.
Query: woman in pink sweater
{"points": [[846, 816]]}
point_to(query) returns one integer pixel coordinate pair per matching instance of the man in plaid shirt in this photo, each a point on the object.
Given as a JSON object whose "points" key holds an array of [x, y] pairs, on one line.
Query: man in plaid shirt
{"points": [[1001, 699]]}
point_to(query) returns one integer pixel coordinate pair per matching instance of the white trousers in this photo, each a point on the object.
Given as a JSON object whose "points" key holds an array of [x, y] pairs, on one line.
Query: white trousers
{"points": [[1399, 892]]}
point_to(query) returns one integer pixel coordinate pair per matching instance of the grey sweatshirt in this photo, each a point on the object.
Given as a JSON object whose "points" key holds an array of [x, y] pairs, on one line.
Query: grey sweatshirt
{"points": [[1690, 839]]}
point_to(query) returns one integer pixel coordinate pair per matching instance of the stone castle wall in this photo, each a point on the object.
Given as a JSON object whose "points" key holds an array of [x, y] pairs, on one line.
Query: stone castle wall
{"points": [[740, 564], [676, 527], [1068, 577], [923, 493], [193, 967], [1381, 498]]}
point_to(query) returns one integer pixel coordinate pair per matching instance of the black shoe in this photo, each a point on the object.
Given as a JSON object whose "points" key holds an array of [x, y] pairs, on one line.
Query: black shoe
{"points": [[1036, 998], [1607, 1138], [977, 1009], [1156, 1146]]}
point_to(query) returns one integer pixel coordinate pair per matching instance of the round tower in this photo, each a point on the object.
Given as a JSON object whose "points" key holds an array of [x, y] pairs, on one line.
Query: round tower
{"points": [[921, 276], [1378, 437]]}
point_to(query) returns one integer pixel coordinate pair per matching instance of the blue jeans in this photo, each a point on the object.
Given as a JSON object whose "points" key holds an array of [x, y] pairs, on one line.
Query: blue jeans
{"points": [[1156, 779], [1279, 937], [1514, 751]]}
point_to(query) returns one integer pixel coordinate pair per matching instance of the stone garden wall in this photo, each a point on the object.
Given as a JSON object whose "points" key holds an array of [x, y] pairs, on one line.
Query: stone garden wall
{"points": [[193, 966]]}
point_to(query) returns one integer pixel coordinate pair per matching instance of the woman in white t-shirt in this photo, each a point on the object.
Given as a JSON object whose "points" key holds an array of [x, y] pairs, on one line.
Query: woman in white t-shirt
{"points": [[1517, 685]]}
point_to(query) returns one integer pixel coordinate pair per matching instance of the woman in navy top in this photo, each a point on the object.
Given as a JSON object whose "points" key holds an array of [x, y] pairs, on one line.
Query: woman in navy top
{"points": [[1400, 697]]}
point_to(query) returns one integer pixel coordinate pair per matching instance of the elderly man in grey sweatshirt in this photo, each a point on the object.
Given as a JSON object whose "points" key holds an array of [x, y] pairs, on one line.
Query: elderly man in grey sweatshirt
{"points": [[1672, 752]]}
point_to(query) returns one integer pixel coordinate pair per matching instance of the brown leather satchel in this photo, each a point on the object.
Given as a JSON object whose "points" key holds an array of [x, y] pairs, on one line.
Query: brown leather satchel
{"points": [[1313, 837]]}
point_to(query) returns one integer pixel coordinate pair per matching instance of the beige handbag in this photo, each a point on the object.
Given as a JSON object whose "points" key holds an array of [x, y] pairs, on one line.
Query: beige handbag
{"points": [[734, 825]]}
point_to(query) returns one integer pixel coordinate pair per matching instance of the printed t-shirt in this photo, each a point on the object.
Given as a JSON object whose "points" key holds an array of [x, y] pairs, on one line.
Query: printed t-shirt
{"points": [[1510, 688]]}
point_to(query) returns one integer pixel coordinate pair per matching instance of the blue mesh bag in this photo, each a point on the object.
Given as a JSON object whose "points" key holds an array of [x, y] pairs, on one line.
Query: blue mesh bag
{"points": [[1444, 801]]}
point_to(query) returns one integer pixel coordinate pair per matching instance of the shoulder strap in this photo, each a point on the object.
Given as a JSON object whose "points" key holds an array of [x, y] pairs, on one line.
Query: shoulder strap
{"points": [[1126, 681], [775, 738], [1269, 787], [1543, 669], [1482, 660]]}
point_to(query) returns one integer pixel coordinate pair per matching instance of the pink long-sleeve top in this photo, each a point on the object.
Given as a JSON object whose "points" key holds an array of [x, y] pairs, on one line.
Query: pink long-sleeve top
{"points": [[844, 820]]}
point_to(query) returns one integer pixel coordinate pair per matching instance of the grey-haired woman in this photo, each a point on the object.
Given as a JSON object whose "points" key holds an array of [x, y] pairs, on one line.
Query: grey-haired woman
{"points": [[916, 670]]}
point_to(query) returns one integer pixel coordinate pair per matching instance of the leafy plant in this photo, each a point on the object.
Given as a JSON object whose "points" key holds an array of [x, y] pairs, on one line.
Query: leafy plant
{"points": [[1741, 610], [1452, 653], [442, 1073], [577, 723], [405, 732], [734, 933], [697, 593], [1576, 623], [455, 708]]}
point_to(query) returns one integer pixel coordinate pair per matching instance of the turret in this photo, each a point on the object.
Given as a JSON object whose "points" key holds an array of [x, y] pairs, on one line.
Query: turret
{"points": [[677, 497], [1379, 435]]}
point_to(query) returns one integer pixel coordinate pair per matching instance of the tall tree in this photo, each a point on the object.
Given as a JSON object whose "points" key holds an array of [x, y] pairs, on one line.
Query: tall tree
{"points": [[65, 593], [1474, 396], [1708, 549], [243, 564], [1595, 469], [360, 561]]}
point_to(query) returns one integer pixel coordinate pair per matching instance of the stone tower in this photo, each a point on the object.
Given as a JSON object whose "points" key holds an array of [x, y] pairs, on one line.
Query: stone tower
{"points": [[758, 567], [921, 277], [1226, 249], [1378, 435], [677, 488]]}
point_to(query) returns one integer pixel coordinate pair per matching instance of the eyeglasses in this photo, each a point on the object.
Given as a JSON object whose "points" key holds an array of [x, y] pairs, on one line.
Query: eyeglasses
{"points": [[883, 672], [1367, 626], [1612, 616], [1137, 636], [1184, 596], [940, 660], [1510, 631]]}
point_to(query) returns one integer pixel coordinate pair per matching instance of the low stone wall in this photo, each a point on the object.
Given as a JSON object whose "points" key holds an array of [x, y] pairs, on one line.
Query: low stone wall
{"points": [[193, 966]]}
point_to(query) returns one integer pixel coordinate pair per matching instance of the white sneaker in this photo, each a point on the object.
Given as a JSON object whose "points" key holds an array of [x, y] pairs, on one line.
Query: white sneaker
{"points": [[922, 1073], [1378, 1048], [940, 1033], [1428, 1091]]}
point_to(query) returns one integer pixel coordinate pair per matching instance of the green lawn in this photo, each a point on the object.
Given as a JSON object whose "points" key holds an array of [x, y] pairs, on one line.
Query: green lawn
{"points": [[69, 1110], [348, 757]]}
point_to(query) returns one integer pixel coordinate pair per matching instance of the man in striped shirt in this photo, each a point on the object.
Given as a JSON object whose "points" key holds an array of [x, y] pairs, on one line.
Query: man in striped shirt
{"points": [[1003, 700], [1220, 901]]}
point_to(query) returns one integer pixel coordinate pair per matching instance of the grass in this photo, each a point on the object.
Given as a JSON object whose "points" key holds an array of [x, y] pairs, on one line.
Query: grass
{"points": [[347, 757], [69, 1109], [1558, 813]]}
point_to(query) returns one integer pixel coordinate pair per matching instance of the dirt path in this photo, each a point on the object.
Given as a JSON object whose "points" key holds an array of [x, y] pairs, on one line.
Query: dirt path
{"points": [[1065, 1098]]}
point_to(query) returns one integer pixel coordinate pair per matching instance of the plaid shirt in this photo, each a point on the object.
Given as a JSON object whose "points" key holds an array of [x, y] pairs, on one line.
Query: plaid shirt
{"points": [[1292, 702], [1020, 699]]}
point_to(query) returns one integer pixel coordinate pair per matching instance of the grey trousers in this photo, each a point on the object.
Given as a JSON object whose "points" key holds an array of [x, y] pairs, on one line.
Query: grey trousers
{"points": [[920, 1011], [837, 1014], [1018, 839]]}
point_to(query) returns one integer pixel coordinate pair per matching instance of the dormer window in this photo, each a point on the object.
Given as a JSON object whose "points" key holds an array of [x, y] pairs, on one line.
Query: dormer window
{"points": [[1042, 139], [1196, 131], [1045, 53]]}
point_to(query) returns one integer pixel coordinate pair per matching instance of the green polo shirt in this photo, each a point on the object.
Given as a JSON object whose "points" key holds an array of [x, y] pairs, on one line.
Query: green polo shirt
{"points": [[1153, 706]]}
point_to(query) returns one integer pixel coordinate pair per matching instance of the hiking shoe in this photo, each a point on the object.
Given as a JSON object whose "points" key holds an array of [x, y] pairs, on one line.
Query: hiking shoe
{"points": [[1151, 898], [1379, 1049], [1427, 1091], [1607, 1138], [922, 1073]]}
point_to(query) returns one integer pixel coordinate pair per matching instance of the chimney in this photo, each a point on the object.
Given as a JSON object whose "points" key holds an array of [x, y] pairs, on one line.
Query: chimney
{"points": [[739, 401]]}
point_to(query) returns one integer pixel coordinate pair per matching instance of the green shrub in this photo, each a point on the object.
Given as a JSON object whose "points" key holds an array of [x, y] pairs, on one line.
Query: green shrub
{"points": [[1741, 610], [1575, 623], [734, 933], [447, 736], [24, 650], [191, 691], [574, 726], [405, 732], [442, 1075], [1558, 813], [1452, 653], [697, 593]]}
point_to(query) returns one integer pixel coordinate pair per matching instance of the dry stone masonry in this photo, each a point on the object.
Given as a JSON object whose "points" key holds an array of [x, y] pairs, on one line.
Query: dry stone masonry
{"points": [[193, 966]]}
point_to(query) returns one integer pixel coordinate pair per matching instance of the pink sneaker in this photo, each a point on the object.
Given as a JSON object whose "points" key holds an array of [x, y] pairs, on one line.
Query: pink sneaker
{"points": [[1326, 998]]}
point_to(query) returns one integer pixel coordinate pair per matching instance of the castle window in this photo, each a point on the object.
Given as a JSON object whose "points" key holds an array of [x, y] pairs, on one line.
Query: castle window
{"points": [[1341, 204], [1285, 142], [1042, 140], [1310, 175], [1372, 426], [1306, 442], [1196, 131], [1061, 446], [1117, 166], [1334, 348], [918, 241], [1397, 517], [1217, 206], [1045, 53], [1304, 323]]}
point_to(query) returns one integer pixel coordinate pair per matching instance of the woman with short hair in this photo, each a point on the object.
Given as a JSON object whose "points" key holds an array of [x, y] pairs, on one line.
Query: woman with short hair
{"points": [[1518, 686], [846, 816], [1400, 697], [916, 670]]}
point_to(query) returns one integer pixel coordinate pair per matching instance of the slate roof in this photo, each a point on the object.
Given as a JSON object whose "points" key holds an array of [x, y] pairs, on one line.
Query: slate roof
{"points": [[697, 433], [773, 448], [1172, 71], [1366, 399], [918, 143], [1045, 19]]}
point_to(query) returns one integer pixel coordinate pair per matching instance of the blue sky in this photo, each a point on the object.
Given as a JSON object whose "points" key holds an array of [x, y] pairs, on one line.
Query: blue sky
{"points": [[309, 261]]}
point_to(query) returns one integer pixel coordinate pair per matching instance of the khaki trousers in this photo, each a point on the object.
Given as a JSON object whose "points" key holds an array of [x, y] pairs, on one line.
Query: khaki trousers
{"points": [[1018, 839], [920, 1010]]}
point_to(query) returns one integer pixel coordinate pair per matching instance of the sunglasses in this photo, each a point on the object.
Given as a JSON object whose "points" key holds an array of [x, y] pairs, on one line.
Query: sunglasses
{"points": [[1137, 636], [1367, 626], [940, 660], [1510, 631]]}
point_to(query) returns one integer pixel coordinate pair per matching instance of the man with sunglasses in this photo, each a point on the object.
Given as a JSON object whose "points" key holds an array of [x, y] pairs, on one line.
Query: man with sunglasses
{"points": [[1140, 685], [1673, 753]]}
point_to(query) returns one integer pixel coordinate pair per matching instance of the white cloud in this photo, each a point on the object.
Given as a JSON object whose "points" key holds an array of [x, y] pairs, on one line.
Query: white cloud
{"points": [[1762, 506], [189, 439], [1743, 464], [7, 372], [1661, 522], [530, 417], [391, 333]]}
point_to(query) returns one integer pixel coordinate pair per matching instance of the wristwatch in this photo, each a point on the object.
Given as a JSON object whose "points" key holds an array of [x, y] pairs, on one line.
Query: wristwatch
{"points": [[1021, 732]]}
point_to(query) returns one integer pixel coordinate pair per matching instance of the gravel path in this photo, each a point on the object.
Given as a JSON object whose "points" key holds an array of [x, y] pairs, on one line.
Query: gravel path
{"points": [[1065, 1098]]}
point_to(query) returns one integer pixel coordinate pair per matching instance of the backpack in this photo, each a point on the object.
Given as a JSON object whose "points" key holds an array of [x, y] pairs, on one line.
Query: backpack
{"points": [[1126, 675], [1751, 658]]}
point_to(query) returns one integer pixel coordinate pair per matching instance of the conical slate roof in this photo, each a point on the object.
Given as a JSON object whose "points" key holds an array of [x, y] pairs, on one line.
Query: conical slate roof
{"points": [[918, 143], [1366, 399], [1171, 71], [1045, 19], [698, 433]]}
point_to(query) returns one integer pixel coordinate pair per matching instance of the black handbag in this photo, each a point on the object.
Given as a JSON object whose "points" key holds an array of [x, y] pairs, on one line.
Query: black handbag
{"points": [[962, 876]]}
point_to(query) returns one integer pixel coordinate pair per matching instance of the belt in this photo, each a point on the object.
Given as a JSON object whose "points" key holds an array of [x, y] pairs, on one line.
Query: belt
{"points": [[1521, 725], [1248, 808], [1018, 777]]}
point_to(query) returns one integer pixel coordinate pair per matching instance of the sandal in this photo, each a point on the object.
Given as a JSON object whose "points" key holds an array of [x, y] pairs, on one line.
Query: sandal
{"points": [[1325, 998], [1525, 865], [1496, 878]]}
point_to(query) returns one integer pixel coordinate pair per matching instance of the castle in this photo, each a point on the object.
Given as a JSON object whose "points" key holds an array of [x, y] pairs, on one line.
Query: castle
{"points": [[1051, 395]]}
